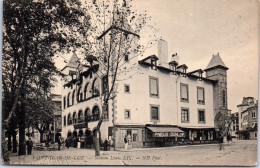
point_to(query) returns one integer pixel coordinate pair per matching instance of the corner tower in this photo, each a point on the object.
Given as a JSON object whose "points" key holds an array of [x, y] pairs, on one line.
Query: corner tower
{"points": [[217, 71]]}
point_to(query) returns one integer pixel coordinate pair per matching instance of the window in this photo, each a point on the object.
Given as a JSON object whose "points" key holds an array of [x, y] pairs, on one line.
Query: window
{"points": [[64, 120], [86, 91], [200, 95], [201, 116], [104, 84], [127, 88], [127, 114], [154, 87], [68, 100], [253, 114], [126, 58], [64, 102], [80, 95], [80, 117], [184, 93], [105, 113], [95, 87], [69, 120], [154, 113], [87, 115], [96, 113], [74, 118], [184, 115], [154, 64], [73, 97], [224, 98], [255, 134]]}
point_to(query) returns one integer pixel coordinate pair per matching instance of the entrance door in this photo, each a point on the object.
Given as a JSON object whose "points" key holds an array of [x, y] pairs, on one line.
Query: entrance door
{"points": [[129, 137]]}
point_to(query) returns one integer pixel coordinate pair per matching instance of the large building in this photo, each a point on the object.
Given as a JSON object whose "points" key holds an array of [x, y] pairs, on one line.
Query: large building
{"points": [[158, 102], [247, 115]]}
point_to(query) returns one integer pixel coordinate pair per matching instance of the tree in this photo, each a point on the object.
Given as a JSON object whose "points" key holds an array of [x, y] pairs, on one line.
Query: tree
{"points": [[33, 31], [116, 33]]}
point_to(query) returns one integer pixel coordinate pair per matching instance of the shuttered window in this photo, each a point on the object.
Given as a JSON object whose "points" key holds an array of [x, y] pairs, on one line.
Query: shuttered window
{"points": [[184, 93], [154, 87], [200, 92]]}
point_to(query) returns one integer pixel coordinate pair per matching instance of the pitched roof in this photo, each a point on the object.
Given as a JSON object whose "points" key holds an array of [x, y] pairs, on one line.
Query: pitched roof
{"points": [[216, 61], [73, 62]]}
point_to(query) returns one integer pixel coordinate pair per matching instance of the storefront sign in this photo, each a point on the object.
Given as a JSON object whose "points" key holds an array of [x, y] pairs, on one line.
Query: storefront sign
{"points": [[161, 134]]}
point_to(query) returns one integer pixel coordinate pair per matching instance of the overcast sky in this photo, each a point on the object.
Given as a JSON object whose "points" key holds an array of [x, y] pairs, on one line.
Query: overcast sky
{"points": [[197, 29]]}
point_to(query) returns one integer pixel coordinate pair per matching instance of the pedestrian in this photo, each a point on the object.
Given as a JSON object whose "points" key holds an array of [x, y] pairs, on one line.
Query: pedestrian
{"points": [[106, 144], [59, 142], [67, 142], [29, 144], [126, 142], [221, 142]]}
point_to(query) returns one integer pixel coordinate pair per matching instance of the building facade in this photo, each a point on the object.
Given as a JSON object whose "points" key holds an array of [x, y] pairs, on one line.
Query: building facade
{"points": [[248, 114], [161, 105], [156, 102], [234, 125]]}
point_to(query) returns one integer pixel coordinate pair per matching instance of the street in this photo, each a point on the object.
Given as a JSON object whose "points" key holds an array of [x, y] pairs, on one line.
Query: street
{"points": [[236, 153]]}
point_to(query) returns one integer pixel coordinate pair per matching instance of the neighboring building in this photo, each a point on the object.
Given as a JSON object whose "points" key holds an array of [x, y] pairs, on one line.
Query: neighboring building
{"points": [[247, 114], [159, 105], [234, 125], [57, 125]]}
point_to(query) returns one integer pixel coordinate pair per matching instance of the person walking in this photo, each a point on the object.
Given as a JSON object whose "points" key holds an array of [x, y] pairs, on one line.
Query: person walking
{"points": [[29, 144], [59, 142], [221, 147], [126, 142], [106, 144]]}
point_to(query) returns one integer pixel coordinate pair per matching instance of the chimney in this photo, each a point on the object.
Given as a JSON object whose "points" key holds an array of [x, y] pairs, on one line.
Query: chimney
{"points": [[175, 57], [163, 53]]}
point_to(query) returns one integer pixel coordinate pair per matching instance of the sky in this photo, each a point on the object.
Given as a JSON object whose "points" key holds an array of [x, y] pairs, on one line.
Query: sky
{"points": [[200, 28]]}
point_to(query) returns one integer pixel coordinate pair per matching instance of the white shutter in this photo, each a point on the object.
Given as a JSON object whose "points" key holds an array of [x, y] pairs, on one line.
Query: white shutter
{"points": [[154, 87], [184, 92]]}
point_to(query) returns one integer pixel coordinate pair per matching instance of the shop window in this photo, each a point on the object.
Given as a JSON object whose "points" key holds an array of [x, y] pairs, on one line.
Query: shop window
{"points": [[127, 114], [127, 88], [154, 113], [200, 95], [184, 93], [201, 116], [184, 115], [135, 135], [154, 87]]}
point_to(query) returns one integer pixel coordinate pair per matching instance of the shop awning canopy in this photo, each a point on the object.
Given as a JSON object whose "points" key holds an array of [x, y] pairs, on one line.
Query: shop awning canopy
{"points": [[165, 129]]}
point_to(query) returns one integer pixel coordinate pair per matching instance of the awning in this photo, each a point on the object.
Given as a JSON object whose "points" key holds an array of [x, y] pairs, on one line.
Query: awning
{"points": [[164, 129], [166, 132]]}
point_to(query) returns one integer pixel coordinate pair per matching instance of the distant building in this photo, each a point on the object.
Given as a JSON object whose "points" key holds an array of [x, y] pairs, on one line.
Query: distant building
{"points": [[234, 125], [248, 114]]}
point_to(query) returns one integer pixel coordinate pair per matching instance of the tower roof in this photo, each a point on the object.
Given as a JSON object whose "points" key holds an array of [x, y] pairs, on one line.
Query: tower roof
{"points": [[215, 62], [73, 62], [119, 22]]}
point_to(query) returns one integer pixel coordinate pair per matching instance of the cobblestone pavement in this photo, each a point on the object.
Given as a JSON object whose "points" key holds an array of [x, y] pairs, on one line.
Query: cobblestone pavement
{"points": [[236, 153]]}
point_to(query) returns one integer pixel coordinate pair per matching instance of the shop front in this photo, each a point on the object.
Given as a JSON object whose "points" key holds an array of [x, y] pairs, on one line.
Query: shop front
{"points": [[162, 135]]}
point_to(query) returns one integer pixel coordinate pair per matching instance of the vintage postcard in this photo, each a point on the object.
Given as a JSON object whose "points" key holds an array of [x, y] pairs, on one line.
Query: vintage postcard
{"points": [[130, 82]]}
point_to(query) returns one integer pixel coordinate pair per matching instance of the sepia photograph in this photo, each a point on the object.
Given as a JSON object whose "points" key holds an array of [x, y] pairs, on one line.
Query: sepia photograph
{"points": [[130, 82]]}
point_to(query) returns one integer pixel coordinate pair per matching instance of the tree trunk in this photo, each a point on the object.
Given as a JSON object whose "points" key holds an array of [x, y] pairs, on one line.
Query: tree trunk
{"points": [[22, 145], [14, 142], [9, 141], [96, 141], [41, 137]]}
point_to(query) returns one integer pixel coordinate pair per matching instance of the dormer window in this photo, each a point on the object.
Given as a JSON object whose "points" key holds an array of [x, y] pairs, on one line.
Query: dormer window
{"points": [[183, 69], [154, 64], [197, 73], [173, 66]]}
